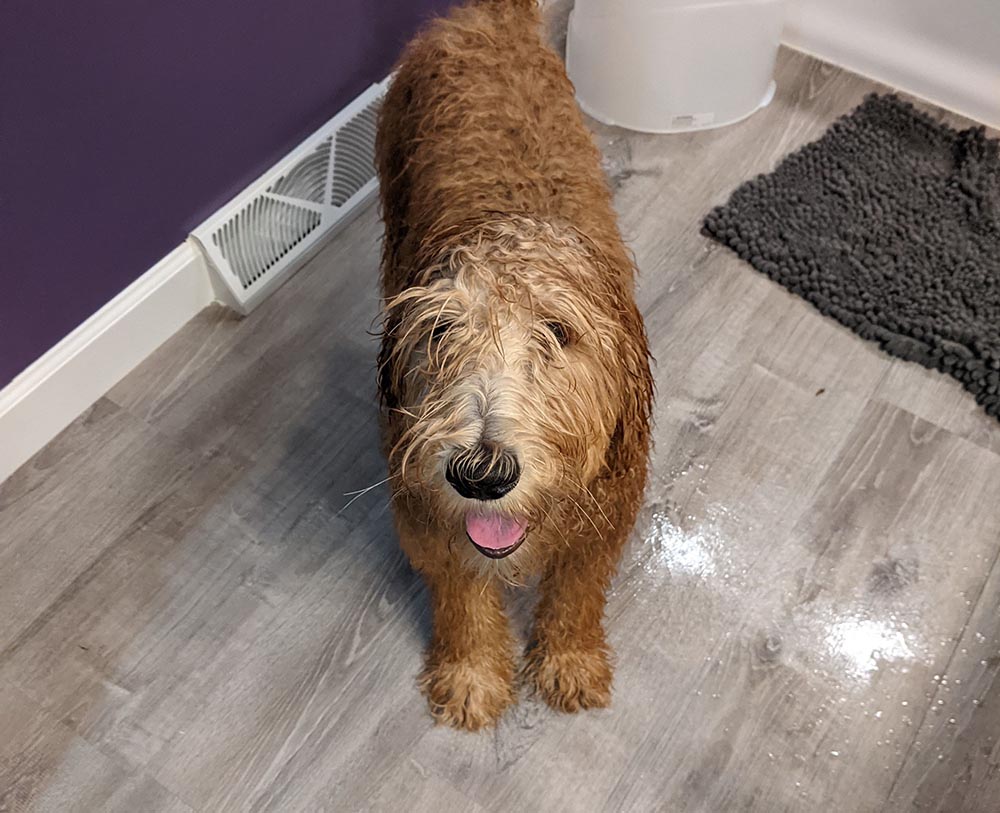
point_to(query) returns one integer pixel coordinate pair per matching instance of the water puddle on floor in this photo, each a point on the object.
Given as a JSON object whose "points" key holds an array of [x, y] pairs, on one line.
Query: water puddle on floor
{"points": [[732, 583]]}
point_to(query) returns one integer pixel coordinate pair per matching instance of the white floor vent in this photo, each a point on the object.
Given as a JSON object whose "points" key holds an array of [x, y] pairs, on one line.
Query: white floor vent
{"points": [[264, 234]]}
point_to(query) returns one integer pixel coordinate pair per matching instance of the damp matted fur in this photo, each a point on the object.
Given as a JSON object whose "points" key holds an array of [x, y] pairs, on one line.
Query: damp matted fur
{"points": [[509, 321]]}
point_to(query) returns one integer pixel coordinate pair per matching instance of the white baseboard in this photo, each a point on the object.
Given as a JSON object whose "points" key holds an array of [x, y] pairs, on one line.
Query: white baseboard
{"points": [[884, 43], [53, 391]]}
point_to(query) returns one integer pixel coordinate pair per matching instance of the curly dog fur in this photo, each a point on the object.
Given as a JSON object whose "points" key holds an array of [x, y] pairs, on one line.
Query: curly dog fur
{"points": [[514, 362]]}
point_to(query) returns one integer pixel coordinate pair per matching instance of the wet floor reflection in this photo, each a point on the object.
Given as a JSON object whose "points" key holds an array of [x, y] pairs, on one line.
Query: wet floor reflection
{"points": [[860, 645], [728, 586]]}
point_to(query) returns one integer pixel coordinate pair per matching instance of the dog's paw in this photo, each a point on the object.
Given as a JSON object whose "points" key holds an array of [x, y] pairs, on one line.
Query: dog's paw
{"points": [[570, 679], [467, 694]]}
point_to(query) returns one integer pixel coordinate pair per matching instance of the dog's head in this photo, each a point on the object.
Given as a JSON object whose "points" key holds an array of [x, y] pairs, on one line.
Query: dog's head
{"points": [[510, 366]]}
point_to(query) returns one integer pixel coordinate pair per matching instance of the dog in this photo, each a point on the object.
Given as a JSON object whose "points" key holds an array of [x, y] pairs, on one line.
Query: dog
{"points": [[514, 370]]}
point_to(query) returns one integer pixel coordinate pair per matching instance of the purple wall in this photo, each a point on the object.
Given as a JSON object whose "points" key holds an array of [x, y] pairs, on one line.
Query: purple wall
{"points": [[124, 123]]}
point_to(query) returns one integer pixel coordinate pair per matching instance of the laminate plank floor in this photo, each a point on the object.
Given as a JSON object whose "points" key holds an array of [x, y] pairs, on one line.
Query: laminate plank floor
{"points": [[195, 617]]}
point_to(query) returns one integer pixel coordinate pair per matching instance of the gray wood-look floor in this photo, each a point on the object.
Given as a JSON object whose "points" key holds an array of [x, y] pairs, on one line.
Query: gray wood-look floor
{"points": [[192, 617]]}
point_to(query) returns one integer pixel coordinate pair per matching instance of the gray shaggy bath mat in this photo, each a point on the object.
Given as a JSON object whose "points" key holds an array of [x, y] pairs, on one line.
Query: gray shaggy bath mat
{"points": [[890, 223]]}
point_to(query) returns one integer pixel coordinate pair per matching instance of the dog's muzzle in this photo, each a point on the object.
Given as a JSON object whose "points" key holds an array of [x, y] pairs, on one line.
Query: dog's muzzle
{"points": [[485, 473]]}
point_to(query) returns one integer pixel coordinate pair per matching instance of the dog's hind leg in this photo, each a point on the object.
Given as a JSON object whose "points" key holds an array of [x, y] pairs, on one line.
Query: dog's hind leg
{"points": [[469, 675]]}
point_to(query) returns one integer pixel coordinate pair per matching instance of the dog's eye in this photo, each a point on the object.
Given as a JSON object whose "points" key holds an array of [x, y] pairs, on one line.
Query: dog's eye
{"points": [[558, 329]]}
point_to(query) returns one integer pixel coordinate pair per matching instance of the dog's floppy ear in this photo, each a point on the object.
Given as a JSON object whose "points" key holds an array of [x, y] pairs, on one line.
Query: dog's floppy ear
{"points": [[388, 377], [630, 438]]}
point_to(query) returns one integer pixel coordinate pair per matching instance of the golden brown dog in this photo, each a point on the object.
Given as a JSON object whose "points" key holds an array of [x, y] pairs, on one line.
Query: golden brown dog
{"points": [[514, 370]]}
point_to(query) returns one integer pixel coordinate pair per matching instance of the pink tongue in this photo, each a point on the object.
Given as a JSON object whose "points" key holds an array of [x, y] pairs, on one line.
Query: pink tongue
{"points": [[493, 531]]}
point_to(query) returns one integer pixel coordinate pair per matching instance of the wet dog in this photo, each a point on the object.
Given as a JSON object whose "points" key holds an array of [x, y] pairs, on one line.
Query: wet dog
{"points": [[514, 369]]}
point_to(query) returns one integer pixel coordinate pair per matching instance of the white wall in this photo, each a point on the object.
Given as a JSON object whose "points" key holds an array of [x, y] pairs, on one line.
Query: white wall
{"points": [[946, 51]]}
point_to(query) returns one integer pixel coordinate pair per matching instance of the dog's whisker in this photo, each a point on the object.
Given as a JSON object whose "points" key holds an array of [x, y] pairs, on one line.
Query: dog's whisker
{"points": [[357, 495], [366, 489], [562, 536], [590, 494], [585, 515]]}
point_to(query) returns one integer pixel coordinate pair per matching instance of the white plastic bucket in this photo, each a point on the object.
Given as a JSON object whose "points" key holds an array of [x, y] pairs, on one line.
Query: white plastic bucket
{"points": [[668, 66]]}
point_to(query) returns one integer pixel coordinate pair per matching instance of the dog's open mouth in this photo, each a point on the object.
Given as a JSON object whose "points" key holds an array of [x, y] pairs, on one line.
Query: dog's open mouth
{"points": [[495, 535]]}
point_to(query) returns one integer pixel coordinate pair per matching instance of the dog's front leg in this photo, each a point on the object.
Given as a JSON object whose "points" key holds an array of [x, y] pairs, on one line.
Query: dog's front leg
{"points": [[568, 660], [469, 675]]}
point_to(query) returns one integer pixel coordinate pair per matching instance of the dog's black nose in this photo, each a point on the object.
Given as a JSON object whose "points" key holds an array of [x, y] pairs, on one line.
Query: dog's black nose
{"points": [[485, 472]]}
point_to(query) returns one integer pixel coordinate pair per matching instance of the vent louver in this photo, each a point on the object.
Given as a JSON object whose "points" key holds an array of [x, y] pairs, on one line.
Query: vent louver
{"points": [[356, 148], [267, 232], [260, 235], [307, 179]]}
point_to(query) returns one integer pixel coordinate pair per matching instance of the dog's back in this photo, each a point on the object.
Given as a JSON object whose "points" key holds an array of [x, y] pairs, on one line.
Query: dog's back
{"points": [[480, 119]]}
